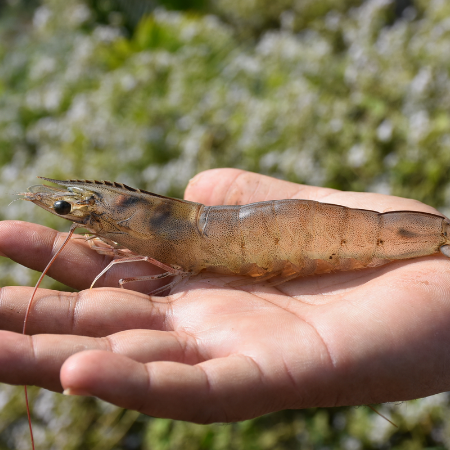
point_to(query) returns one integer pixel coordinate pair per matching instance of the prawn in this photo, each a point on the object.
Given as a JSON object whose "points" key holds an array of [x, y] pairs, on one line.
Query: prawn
{"points": [[273, 241]]}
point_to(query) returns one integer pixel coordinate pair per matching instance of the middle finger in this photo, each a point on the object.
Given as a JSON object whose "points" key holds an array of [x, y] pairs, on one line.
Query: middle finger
{"points": [[96, 312]]}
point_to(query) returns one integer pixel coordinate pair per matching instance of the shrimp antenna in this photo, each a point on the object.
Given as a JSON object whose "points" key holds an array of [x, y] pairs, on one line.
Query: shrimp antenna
{"points": [[27, 312], [383, 416]]}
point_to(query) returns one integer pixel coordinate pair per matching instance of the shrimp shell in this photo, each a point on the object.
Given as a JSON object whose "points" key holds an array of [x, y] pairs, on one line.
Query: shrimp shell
{"points": [[279, 238]]}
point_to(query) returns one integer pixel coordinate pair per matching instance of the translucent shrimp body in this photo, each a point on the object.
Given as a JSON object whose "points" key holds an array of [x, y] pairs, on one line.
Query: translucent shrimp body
{"points": [[280, 238]]}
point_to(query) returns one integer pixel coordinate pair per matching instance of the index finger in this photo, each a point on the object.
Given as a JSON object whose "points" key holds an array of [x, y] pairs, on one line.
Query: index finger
{"points": [[33, 245], [239, 187]]}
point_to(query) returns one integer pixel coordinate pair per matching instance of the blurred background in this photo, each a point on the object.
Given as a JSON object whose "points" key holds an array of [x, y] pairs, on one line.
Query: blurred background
{"points": [[349, 94]]}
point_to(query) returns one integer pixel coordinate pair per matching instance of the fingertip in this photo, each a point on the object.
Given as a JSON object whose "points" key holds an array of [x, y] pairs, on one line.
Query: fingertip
{"points": [[11, 233], [76, 372], [108, 376], [24, 241], [208, 186], [213, 174]]}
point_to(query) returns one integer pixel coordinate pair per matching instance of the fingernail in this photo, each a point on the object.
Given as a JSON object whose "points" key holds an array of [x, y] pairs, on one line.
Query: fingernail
{"points": [[193, 180], [71, 391]]}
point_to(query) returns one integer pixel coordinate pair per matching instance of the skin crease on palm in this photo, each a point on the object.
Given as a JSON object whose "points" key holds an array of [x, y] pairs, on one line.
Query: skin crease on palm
{"points": [[214, 353]]}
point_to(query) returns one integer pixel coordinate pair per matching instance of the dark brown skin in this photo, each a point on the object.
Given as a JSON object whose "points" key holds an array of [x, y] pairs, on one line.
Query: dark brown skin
{"points": [[210, 352]]}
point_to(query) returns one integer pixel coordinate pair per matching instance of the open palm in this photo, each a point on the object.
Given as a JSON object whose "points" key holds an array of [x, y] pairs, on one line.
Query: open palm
{"points": [[212, 352]]}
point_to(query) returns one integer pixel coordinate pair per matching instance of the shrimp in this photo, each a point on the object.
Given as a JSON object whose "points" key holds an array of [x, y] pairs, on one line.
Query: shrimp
{"points": [[272, 241]]}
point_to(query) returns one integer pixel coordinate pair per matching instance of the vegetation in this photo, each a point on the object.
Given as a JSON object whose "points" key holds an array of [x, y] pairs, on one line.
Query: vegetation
{"points": [[349, 94]]}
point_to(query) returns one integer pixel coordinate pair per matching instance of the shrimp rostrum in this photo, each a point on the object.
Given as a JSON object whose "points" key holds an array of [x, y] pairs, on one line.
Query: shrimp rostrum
{"points": [[273, 240]]}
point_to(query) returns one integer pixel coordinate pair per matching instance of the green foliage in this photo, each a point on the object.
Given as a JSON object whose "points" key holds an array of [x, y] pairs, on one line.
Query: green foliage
{"points": [[338, 93]]}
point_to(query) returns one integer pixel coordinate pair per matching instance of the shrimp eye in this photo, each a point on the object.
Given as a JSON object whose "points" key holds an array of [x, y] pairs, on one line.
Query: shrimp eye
{"points": [[61, 207]]}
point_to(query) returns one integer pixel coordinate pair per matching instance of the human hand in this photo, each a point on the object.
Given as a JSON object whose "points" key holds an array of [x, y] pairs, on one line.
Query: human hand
{"points": [[210, 352]]}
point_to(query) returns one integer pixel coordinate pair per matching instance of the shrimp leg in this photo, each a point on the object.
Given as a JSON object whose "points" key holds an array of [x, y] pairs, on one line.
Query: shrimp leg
{"points": [[170, 271]]}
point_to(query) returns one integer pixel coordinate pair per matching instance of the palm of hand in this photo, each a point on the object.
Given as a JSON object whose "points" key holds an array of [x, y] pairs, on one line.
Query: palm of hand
{"points": [[210, 352]]}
